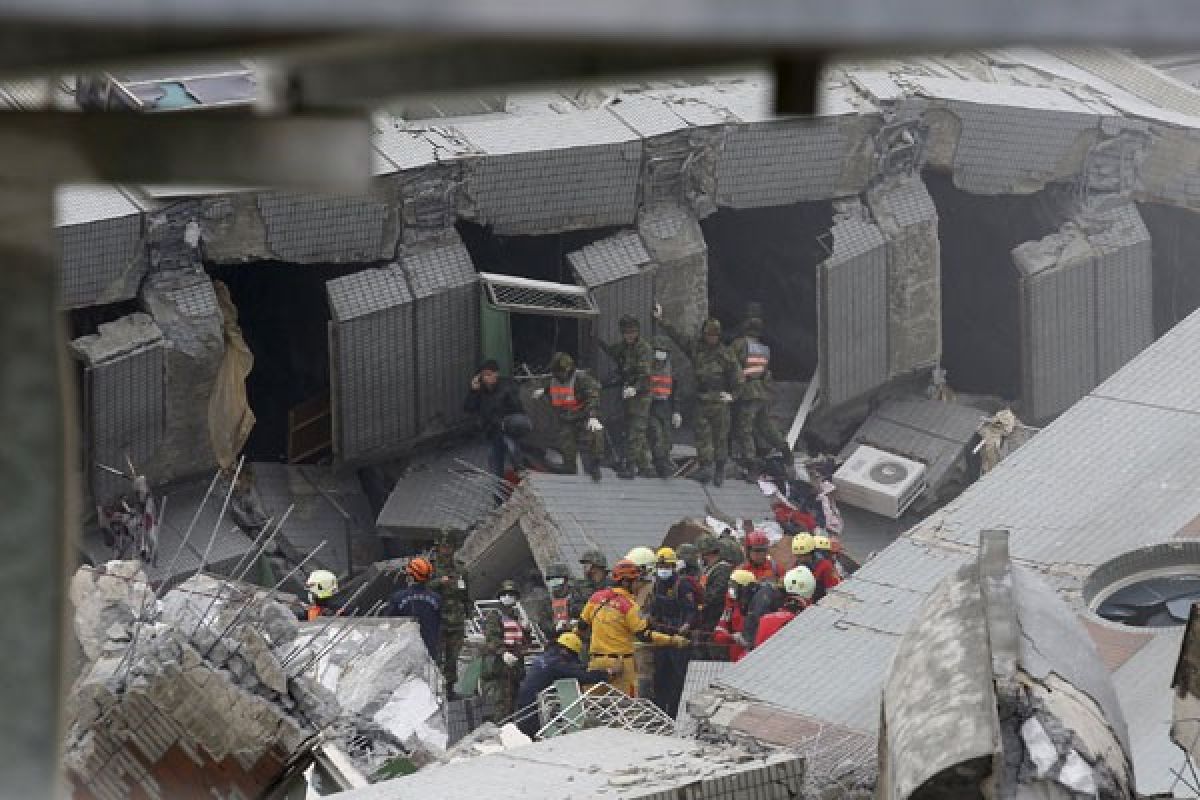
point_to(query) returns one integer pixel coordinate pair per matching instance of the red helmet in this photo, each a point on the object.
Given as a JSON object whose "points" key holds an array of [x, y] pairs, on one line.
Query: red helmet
{"points": [[626, 570], [757, 539], [419, 570]]}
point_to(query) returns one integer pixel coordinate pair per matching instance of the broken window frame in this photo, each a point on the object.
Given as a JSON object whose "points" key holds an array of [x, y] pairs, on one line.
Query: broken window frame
{"points": [[580, 298]]}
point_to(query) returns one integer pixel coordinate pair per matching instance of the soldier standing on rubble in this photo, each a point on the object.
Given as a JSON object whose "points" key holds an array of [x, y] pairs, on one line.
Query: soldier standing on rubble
{"points": [[595, 577], [506, 638], [663, 416], [634, 358], [718, 381], [451, 584], [558, 579], [752, 420], [575, 398], [714, 584]]}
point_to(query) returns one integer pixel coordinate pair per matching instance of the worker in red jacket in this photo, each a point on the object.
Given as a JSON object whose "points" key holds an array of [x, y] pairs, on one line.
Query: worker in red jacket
{"points": [[758, 562], [793, 520], [798, 586], [729, 632], [804, 546]]}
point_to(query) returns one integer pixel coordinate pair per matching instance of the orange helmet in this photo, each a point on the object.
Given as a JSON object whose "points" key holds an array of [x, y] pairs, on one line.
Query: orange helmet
{"points": [[626, 570], [419, 570]]}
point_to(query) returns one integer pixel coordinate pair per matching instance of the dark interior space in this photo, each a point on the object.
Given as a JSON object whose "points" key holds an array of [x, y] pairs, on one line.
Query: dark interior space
{"points": [[980, 302], [284, 313], [535, 338], [770, 256], [1175, 252], [86, 321]]}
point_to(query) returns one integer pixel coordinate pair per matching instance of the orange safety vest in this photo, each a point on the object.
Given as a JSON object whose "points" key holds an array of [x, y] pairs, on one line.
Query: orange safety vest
{"points": [[758, 355], [660, 386], [514, 634], [562, 396], [314, 611], [561, 609]]}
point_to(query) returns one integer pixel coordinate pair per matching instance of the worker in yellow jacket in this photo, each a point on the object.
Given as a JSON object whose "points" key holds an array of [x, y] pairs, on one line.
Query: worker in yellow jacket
{"points": [[615, 620]]}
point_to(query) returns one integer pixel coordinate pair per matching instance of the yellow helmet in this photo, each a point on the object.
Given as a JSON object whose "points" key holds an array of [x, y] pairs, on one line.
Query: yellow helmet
{"points": [[666, 554], [803, 544], [571, 641], [644, 557], [821, 542], [742, 577], [322, 584]]}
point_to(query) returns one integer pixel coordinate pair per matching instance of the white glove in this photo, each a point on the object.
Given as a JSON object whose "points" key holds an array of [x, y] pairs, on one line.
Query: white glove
{"points": [[628, 392], [737, 638], [593, 425], [657, 311], [537, 394], [676, 419], [726, 397], [510, 659]]}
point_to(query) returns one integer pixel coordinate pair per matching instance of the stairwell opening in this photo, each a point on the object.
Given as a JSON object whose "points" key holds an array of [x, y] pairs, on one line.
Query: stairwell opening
{"points": [[535, 337], [770, 256], [980, 303], [284, 314]]}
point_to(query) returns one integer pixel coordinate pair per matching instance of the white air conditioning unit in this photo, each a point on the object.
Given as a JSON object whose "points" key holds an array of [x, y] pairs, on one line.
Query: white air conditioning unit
{"points": [[879, 481]]}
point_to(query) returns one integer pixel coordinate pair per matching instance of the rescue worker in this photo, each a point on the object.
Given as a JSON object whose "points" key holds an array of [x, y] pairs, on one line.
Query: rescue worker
{"points": [[558, 582], [644, 655], [322, 586], [594, 565], [535, 599], [645, 558], [663, 416], [575, 399], [752, 420], [718, 381], [804, 546], [418, 601], [758, 559], [614, 621], [689, 561], [634, 357], [827, 551], [560, 661], [505, 640], [714, 583], [798, 587], [729, 631], [673, 608], [497, 404], [451, 585]]}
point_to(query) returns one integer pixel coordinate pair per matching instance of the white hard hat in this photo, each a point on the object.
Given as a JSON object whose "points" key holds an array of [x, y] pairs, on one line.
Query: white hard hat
{"points": [[799, 581]]}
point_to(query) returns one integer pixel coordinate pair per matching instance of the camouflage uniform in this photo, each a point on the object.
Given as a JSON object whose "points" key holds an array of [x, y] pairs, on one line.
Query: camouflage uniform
{"points": [[634, 365], [499, 682], [717, 371], [583, 588], [714, 582], [451, 584], [575, 398], [751, 415]]}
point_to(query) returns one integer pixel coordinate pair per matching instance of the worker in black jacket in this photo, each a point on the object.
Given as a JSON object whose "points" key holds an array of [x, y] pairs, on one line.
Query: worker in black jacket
{"points": [[495, 401], [561, 660]]}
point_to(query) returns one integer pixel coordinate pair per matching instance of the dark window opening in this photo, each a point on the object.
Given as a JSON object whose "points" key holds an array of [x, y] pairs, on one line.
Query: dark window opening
{"points": [[535, 338], [87, 321], [283, 311], [1174, 241], [980, 303], [770, 256]]}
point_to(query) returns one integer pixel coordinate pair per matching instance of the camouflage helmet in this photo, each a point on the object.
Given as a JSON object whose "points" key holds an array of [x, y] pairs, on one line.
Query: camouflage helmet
{"points": [[557, 570], [712, 325], [687, 552], [562, 364], [508, 587], [629, 323], [707, 543], [595, 558]]}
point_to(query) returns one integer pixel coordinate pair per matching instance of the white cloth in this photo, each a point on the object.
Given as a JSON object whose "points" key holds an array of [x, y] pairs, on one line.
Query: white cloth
{"points": [[537, 394], [676, 419], [726, 397], [509, 659], [628, 392], [594, 425]]}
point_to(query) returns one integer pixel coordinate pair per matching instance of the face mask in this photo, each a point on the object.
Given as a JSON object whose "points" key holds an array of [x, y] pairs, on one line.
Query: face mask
{"points": [[555, 583], [666, 573], [508, 600]]}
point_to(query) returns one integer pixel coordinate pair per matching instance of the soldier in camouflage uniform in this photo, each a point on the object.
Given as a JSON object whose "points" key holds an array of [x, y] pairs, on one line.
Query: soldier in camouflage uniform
{"points": [[505, 640], [714, 583], [595, 577], [575, 398], [752, 421], [663, 414], [633, 356], [451, 584], [718, 381]]}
